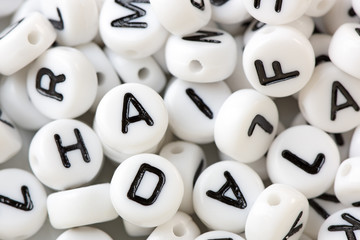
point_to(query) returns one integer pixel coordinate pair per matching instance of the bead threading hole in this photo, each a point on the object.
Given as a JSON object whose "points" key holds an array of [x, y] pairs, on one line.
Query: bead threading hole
{"points": [[179, 230], [33, 37], [195, 66], [143, 73], [273, 200], [177, 150]]}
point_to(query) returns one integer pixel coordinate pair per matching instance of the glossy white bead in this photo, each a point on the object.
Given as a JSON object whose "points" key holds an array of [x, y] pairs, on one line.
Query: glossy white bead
{"points": [[24, 41], [146, 190], [80, 206], [193, 108], [144, 71], [73, 27], [305, 158], [355, 142], [228, 11], [181, 227], [224, 194], [279, 212], [277, 12], [130, 28], [219, 235], [16, 103], [190, 161], [275, 72], [131, 118], [10, 141], [344, 49], [246, 125], [89, 233], [57, 80], [25, 9], [8, 7], [22, 204], [329, 101], [106, 75], [171, 15], [135, 230], [319, 8], [65, 154], [342, 225], [208, 55]]}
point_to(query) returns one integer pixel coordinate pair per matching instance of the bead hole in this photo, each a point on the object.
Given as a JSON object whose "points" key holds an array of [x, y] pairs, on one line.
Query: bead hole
{"points": [[179, 230], [100, 78], [34, 37], [195, 66], [143, 73], [273, 200], [345, 170], [177, 150]]}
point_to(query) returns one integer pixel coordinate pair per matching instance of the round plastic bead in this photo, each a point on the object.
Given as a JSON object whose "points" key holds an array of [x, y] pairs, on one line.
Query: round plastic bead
{"points": [[131, 30], [193, 108], [219, 235], [22, 204], [228, 11], [224, 194], [89, 233], [137, 231], [65, 154], [354, 144], [278, 73], [319, 8], [146, 190], [305, 158], [62, 83], [246, 125], [8, 7], [208, 55], [80, 206], [320, 44]]}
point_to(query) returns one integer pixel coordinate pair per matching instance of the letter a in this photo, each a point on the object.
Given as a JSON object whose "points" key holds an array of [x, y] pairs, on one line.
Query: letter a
{"points": [[350, 102]]}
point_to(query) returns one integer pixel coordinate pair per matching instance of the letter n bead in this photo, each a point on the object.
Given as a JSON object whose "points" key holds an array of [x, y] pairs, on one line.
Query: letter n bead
{"points": [[146, 190]]}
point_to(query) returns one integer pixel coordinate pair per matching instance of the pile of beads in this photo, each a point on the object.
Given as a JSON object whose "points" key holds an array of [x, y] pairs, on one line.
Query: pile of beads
{"points": [[180, 119]]}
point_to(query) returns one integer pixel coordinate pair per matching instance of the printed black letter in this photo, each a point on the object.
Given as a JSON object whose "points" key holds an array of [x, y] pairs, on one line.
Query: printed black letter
{"points": [[218, 3], [278, 5], [294, 229], [58, 24], [200, 36], [50, 92], [138, 12], [262, 122], [199, 103], [350, 102], [26, 206], [278, 77], [309, 168], [320, 210], [199, 5], [5, 122], [349, 230]]}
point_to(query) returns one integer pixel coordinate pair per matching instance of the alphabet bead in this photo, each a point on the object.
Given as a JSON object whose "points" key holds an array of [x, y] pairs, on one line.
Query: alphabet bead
{"points": [[89, 233], [354, 144], [146, 190], [135, 230], [228, 11], [280, 211], [130, 28], [305, 158], [292, 67], [208, 55], [73, 27], [193, 109], [131, 118], [80, 206], [171, 15], [224, 194], [246, 125], [329, 101], [181, 227], [57, 90], [22, 204], [65, 154], [276, 12], [219, 235], [23, 41], [190, 161]]}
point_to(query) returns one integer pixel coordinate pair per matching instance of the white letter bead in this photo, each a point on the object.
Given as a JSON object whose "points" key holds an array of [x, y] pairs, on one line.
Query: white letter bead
{"points": [[277, 12], [131, 118], [135, 230], [65, 154], [89, 233], [319, 8], [278, 61], [73, 27], [219, 235], [171, 15], [347, 182], [10, 140], [23, 41], [228, 11], [15, 101], [146, 190], [354, 150], [208, 55], [304, 157], [344, 49], [330, 100], [193, 108], [106, 75], [224, 194], [190, 161], [280, 212], [342, 225], [7, 7], [22, 204], [356, 7], [246, 125], [180, 227], [80, 206], [144, 70], [130, 28], [62, 83]]}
